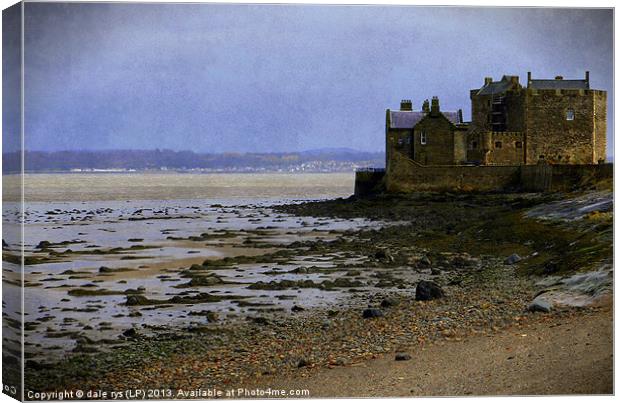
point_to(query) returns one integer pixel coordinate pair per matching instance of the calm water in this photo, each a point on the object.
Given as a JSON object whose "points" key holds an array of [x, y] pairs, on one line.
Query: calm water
{"points": [[174, 186], [104, 211]]}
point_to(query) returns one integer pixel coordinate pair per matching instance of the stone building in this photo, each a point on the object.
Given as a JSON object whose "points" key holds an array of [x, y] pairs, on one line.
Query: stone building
{"points": [[556, 121], [428, 137]]}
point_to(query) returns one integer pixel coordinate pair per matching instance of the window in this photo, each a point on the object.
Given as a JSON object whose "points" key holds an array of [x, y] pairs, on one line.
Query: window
{"points": [[570, 114], [400, 141], [518, 144], [498, 144], [473, 145], [422, 137]]}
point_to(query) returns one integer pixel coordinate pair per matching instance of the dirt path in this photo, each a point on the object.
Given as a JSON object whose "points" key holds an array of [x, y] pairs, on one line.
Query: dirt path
{"points": [[567, 355]]}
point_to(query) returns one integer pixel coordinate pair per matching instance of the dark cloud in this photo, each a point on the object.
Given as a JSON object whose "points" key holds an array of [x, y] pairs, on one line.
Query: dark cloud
{"points": [[272, 78]]}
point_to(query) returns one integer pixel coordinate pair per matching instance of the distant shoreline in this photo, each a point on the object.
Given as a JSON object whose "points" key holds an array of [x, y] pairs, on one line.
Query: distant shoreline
{"points": [[178, 171]]}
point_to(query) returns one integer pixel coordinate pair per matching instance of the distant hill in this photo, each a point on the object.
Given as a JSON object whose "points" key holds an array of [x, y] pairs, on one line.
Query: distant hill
{"points": [[320, 160]]}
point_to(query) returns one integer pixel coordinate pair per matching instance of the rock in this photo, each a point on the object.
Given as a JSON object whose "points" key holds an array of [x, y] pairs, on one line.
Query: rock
{"points": [[303, 363], [402, 357], [130, 333], [384, 256], [539, 305], [212, 316], [40, 245], [512, 259], [389, 302], [133, 300], [372, 313], [297, 308], [424, 262], [427, 290], [259, 320], [435, 272]]}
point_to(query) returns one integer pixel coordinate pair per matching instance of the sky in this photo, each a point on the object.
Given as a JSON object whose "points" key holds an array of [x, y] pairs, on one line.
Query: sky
{"points": [[276, 78]]}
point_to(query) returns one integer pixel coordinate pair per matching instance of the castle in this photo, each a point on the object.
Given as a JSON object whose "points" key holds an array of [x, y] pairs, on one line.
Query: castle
{"points": [[548, 123]]}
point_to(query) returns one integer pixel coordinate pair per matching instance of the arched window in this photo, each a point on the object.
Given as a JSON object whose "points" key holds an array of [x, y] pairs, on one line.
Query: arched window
{"points": [[498, 144], [422, 137]]}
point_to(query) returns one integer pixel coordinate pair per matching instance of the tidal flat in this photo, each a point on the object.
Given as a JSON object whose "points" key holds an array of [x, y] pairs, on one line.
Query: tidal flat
{"points": [[251, 287]]}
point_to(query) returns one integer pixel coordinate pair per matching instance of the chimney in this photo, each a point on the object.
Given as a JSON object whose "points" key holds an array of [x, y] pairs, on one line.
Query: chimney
{"points": [[588, 79], [434, 106], [488, 80], [425, 107], [460, 115], [529, 78], [406, 105], [559, 78]]}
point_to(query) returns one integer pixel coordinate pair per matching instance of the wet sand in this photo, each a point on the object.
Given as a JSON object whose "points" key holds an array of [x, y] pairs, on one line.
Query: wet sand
{"points": [[534, 359]]}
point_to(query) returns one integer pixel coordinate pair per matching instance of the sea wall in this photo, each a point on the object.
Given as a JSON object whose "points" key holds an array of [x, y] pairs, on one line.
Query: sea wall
{"points": [[404, 176], [369, 181]]}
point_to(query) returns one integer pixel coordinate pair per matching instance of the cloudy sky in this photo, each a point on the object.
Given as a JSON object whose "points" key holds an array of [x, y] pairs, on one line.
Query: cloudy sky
{"points": [[215, 78]]}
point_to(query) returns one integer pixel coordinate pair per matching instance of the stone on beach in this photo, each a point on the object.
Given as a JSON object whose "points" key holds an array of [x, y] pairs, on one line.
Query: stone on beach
{"points": [[372, 313], [427, 290]]}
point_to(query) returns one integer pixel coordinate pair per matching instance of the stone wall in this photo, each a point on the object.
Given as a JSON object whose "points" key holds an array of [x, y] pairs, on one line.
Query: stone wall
{"points": [[406, 176], [439, 147], [505, 148], [369, 182], [554, 138], [553, 178], [600, 125], [398, 140]]}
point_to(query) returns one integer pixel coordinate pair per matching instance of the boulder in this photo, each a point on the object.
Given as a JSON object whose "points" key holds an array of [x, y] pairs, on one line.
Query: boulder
{"points": [[389, 302], [384, 256], [130, 333], [539, 305], [372, 313], [402, 357], [427, 290], [424, 262], [512, 259]]}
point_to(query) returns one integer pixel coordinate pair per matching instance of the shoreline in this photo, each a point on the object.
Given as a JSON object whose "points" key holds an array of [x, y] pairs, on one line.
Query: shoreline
{"points": [[483, 295]]}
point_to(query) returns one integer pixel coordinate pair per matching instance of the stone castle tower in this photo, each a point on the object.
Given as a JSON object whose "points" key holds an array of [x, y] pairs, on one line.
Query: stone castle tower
{"points": [[557, 121]]}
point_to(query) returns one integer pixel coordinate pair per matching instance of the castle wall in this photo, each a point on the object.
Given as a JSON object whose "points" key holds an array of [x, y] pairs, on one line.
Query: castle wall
{"points": [[600, 125], [398, 140], [406, 177], [505, 148], [460, 146], [439, 147], [368, 182], [550, 136]]}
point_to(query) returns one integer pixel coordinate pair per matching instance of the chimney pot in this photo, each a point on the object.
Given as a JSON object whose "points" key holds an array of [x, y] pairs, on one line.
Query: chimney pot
{"points": [[425, 106], [406, 105], [559, 78], [488, 80], [435, 105]]}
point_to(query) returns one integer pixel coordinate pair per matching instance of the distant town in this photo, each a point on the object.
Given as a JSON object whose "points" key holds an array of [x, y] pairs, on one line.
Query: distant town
{"points": [[118, 161]]}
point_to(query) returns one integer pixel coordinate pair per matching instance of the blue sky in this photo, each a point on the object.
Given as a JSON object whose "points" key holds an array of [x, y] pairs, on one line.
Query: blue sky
{"points": [[216, 78]]}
